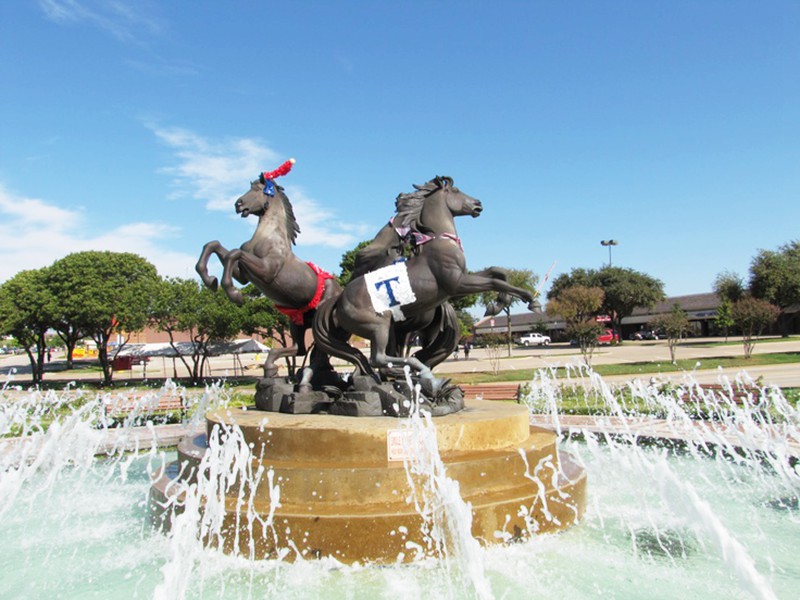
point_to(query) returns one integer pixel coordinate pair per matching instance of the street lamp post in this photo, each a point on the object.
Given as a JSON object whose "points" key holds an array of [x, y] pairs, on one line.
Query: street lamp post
{"points": [[609, 243]]}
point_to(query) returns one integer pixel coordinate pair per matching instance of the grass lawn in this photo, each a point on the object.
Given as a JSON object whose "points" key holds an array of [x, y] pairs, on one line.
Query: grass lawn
{"points": [[777, 358], [738, 342]]}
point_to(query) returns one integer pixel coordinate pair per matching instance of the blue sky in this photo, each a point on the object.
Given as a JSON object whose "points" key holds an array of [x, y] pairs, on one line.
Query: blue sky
{"points": [[672, 127]]}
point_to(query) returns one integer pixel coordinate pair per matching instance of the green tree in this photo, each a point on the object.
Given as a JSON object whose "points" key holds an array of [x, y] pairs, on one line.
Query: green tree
{"points": [[26, 312], [579, 306], [105, 295], [185, 305], [521, 278], [348, 263], [65, 324], [729, 286], [466, 323], [752, 316], [775, 277], [723, 319], [218, 320], [174, 309], [624, 290], [493, 344], [465, 320], [675, 326], [260, 317]]}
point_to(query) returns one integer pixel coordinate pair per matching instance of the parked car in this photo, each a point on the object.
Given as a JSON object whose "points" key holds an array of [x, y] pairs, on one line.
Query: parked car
{"points": [[534, 339], [645, 334], [607, 338]]}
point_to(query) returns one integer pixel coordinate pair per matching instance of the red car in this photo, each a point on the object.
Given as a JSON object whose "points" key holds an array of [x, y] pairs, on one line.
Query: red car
{"points": [[607, 338]]}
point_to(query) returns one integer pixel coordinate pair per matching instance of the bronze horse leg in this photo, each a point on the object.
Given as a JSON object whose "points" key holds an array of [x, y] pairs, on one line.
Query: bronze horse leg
{"points": [[297, 333], [202, 263], [474, 283], [441, 336], [355, 317], [503, 299], [381, 332], [245, 266]]}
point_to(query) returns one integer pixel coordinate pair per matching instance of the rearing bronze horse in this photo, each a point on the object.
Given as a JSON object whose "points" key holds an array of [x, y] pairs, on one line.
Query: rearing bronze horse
{"points": [[438, 272], [267, 261]]}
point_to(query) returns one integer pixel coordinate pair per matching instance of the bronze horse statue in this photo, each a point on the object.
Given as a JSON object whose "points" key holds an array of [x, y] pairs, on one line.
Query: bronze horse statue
{"points": [[397, 239], [267, 261], [438, 330], [435, 274]]}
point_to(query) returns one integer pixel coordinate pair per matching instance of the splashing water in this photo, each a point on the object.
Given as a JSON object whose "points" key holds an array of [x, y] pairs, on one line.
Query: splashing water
{"points": [[712, 514], [753, 444], [447, 518]]}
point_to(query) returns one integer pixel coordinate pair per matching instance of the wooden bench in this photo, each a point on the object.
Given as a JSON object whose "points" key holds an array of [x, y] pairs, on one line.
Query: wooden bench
{"points": [[736, 393], [147, 402], [491, 391]]}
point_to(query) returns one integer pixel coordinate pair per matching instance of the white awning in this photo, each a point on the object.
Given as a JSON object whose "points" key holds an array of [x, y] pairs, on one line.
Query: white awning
{"points": [[241, 346]]}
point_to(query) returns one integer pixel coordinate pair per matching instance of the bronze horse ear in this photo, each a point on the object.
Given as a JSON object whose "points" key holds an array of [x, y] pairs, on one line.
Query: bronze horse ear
{"points": [[263, 181], [438, 182]]}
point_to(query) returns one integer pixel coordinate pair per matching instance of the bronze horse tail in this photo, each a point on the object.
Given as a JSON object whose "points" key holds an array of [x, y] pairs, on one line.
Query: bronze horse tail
{"points": [[332, 340]]}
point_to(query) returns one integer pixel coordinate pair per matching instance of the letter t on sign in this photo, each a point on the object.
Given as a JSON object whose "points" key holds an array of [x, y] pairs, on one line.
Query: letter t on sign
{"points": [[389, 291]]}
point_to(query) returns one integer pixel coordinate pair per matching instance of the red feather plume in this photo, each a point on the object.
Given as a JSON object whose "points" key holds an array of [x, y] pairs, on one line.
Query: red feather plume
{"points": [[282, 170]]}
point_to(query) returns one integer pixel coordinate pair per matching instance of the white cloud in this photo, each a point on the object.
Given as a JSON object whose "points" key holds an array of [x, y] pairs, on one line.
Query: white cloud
{"points": [[316, 222], [33, 234], [218, 172], [123, 20]]}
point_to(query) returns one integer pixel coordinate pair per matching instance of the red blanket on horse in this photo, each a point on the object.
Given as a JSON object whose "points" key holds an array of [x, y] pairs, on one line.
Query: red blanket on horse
{"points": [[296, 314]]}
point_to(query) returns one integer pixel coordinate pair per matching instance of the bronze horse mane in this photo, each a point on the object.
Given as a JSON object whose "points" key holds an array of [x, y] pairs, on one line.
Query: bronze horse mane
{"points": [[408, 207], [388, 245], [292, 227]]}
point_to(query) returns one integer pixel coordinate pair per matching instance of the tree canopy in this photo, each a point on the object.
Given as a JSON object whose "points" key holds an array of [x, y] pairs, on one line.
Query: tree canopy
{"points": [[348, 263], [104, 294], [675, 325], [775, 277], [579, 306], [623, 289], [752, 316], [27, 312], [729, 286]]}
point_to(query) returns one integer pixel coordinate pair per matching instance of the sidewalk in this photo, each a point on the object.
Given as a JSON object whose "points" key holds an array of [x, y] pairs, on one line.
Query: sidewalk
{"points": [[634, 352], [522, 358]]}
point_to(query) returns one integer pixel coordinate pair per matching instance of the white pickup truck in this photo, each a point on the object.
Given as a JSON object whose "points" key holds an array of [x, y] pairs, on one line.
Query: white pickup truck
{"points": [[534, 339]]}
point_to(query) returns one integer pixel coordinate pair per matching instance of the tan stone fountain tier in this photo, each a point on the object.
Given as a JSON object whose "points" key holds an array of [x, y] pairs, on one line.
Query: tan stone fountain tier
{"points": [[344, 489]]}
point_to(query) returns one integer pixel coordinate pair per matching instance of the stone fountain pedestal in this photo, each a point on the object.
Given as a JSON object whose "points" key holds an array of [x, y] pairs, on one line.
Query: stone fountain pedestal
{"points": [[344, 490]]}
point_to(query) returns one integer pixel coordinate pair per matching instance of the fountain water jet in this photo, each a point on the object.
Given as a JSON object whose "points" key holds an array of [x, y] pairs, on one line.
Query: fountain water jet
{"points": [[72, 516]]}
